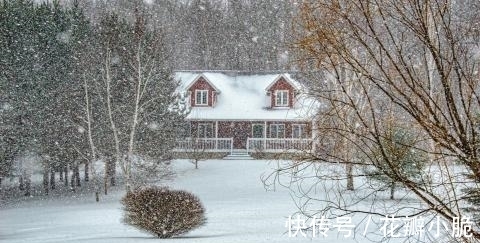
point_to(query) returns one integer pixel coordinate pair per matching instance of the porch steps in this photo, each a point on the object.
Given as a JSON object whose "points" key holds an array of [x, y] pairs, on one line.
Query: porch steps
{"points": [[238, 155]]}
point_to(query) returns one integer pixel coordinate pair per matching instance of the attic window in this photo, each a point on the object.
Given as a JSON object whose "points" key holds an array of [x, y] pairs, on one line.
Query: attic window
{"points": [[201, 97], [281, 98]]}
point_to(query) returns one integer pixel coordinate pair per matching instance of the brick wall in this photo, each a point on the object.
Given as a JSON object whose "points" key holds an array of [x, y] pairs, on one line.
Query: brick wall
{"points": [[282, 84], [202, 84]]}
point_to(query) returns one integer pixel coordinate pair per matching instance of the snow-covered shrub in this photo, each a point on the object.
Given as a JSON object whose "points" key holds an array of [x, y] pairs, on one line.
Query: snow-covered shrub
{"points": [[163, 212]]}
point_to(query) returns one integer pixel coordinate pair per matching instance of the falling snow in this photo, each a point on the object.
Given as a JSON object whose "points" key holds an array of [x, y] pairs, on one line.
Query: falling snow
{"points": [[94, 103]]}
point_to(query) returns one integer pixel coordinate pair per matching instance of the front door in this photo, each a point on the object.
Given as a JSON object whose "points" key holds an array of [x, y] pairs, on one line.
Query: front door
{"points": [[241, 130]]}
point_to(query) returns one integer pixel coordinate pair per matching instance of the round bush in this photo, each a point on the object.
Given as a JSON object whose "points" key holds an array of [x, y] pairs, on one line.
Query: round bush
{"points": [[163, 212]]}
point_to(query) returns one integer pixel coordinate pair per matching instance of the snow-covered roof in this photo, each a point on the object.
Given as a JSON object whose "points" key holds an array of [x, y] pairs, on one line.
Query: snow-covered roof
{"points": [[244, 97]]}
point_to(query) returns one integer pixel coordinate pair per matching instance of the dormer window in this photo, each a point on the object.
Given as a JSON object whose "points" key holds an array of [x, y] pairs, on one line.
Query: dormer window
{"points": [[201, 97], [281, 98]]}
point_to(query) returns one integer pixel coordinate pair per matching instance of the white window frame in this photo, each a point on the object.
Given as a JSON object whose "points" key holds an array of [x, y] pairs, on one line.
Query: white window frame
{"points": [[263, 129], [302, 128], [281, 98], [277, 130], [208, 127], [203, 95]]}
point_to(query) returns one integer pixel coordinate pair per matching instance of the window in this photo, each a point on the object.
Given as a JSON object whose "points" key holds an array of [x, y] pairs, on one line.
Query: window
{"points": [[257, 130], [201, 97], [281, 98], [205, 130], [299, 131], [277, 131]]}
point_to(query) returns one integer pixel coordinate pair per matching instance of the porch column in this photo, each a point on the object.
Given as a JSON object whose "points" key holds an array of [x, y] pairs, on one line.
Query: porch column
{"points": [[216, 135], [313, 125], [265, 136], [193, 138]]}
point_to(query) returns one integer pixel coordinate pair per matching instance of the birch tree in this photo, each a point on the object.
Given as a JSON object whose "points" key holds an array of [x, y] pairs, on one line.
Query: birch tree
{"points": [[139, 95]]}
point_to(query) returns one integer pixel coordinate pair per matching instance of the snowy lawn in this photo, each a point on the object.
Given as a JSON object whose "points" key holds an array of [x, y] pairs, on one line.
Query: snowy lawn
{"points": [[239, 209]]}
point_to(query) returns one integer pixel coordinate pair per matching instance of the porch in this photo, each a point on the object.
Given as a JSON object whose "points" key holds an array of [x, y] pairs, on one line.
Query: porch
{"points": [[253, 145], [198, 145], [278, 145]]}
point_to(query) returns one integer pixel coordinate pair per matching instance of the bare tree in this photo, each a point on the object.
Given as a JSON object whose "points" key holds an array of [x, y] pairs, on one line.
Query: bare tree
{"points": [[413, 65], [107, 78], [197, 151]]}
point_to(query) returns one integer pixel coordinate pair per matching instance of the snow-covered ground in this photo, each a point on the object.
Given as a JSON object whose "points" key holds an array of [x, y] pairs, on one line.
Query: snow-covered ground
{"points": [[239, 209]]}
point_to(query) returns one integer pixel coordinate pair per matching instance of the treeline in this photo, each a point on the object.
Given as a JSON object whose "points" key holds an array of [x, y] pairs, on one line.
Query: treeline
{"points": [[76, 92], [247, 35]]}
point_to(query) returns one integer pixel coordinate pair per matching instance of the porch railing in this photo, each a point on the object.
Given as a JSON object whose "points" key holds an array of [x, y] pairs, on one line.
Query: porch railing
{"points": [[205, 145], [278, 144]]}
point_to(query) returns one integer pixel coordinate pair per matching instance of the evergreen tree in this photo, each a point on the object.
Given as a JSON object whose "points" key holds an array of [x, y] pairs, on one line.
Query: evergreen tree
{"points": [[20, 80], [397, 157], [37, 66]]}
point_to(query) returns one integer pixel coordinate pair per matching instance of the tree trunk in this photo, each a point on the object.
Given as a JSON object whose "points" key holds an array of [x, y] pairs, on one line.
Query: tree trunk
{"points": [[110, 168], [52, 178], [106, 174], [77, 174], [126, 175], [133, 127], [111, 171], [108, 80], [72, 180], [392, 190], [21, 182], [112, 178], [87, 175], [349, 168], [92, 145], [105, 185], [27, 185], [46, 172], [65, 172], [60, 175]]}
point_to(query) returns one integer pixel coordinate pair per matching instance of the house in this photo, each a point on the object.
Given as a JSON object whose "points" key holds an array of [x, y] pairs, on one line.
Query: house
{"points": [[243, 111]]}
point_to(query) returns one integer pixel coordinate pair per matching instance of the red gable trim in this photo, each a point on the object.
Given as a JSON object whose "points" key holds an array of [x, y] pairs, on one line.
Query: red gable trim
{"points": [[201, 76], [280, 77]]}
